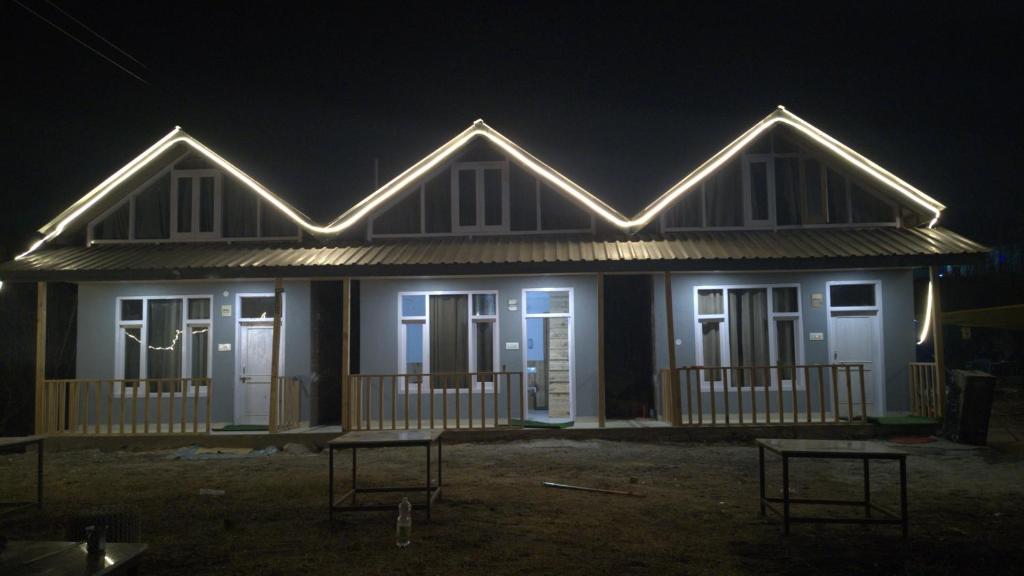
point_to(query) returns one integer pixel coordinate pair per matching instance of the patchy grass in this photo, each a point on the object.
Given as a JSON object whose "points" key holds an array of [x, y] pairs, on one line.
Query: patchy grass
{"points": [[700, 513]]}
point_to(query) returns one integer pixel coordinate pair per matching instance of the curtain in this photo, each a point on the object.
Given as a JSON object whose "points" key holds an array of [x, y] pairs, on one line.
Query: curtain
{"points": [[484, 347], [724, 196], [748, 334], [238, 210], [114, 226], [152, 210], [449, 335], [787, 191], [163, 330], [784, 336], [709, 302], [712, 344]]}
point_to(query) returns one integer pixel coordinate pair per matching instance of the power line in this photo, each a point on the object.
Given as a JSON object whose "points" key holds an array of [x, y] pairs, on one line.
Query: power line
{"points": [[75, 38], [96, 34]]}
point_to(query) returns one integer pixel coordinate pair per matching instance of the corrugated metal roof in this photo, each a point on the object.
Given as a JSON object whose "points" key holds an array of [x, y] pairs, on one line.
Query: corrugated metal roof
{"points": [[455, 255]]}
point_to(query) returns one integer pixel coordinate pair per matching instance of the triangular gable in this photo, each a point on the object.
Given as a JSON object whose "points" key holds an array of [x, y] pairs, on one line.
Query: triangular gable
{"points": [[111, 185], [447, 151], [781, 116]]}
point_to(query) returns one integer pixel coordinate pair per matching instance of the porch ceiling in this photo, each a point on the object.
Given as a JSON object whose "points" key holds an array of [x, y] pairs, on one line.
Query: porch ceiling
{"points": [[746, 249]]}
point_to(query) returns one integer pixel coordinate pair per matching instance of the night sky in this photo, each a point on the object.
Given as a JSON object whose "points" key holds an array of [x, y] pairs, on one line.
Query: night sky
{"points": [[625, 98]]}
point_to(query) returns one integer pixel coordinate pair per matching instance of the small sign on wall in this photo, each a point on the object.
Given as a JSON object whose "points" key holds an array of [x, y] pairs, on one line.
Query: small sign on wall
{"points": [[817, 299], [513, 305], [511, 345], [817, 336], [225, 310], [226, 347]]}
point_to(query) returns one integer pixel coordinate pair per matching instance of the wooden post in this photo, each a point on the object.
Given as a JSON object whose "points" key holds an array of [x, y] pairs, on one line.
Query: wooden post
{"points": [[275, 359], [40, 353], [674, 411], [940, 357], [347, 408], [600, 350]]}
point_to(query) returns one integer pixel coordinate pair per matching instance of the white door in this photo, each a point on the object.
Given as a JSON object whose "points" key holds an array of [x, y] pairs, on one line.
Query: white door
{"points": [[255, 350], [855, 341]]}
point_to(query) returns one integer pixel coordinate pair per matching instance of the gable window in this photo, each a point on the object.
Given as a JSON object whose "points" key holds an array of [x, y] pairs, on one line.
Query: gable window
{"points": [[163, 338], [481, 196], [448, 335], [195, 209], [748, 326], [757, 175]]}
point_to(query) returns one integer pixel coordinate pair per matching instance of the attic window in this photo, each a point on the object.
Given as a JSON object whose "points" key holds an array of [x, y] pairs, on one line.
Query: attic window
{"points": [[480, 196], [195, 210]]}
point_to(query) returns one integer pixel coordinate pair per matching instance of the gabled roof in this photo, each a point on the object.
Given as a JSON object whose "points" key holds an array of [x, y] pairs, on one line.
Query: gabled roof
{"points": [[55, 227], [783, 116], [541, 170], [479, 129]]}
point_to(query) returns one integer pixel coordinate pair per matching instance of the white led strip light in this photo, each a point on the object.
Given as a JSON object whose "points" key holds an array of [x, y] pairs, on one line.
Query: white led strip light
{"points": [[927, 325], [421, 168]]}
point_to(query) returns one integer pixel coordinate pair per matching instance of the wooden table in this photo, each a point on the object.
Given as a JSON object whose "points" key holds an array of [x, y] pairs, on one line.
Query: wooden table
{"points": [[25, 558], [7, 443], [832, 449], [384, 439]]}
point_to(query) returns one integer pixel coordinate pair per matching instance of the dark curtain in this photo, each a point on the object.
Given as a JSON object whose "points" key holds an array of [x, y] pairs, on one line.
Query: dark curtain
{"points": [[163, 330], [748, 334], [152, 210], [114, 226], [238, 211], [724, 196], [449, 334], [787, 191]]}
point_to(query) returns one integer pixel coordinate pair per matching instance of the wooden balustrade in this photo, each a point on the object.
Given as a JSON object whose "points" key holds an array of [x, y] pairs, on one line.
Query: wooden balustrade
{"points": [[925, 395], [809, 393], [106, 406], [466, 400]]}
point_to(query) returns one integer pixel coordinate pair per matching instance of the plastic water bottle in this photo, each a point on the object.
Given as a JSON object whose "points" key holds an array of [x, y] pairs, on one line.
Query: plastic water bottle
{"points": [[403, 528]]}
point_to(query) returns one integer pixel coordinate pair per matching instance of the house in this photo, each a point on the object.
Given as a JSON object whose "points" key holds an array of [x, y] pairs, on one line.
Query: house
{"points": [[483, 288]]}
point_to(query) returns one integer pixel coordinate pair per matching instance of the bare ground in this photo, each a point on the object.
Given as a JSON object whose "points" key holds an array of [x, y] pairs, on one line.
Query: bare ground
{"points": [[699, 513]]}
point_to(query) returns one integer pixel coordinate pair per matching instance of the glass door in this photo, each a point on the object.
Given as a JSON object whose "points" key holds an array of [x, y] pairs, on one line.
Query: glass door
{"points": [[548, 354]]}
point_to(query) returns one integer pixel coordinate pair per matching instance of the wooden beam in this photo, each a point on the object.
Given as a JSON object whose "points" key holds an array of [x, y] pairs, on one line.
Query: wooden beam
{"points": [[600, 350], [347, 409], [674, 410], [937, 342], [40, 354], [275, 359]]}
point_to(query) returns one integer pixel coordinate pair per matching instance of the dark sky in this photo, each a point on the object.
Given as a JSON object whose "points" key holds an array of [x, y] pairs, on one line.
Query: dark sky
{"points": [[624, 97]]}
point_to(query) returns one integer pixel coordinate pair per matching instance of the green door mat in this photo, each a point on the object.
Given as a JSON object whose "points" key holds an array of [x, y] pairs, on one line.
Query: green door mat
{"points": [[242, 428], [537, 424]]}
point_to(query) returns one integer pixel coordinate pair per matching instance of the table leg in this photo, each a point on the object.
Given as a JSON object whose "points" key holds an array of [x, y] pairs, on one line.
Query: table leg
{"points": [[785, 494], [353, 475], [39, 477], [428, 482], [330, 483], [439, 483], [867, 487], [903, 496], [760, 476]]}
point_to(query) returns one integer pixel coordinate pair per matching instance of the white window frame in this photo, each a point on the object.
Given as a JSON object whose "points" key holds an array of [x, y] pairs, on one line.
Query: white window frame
{"points": [[773, 317], [572, 346], [186, 341], [473, 320], [479, 168], [196, 175], [748, 210]]}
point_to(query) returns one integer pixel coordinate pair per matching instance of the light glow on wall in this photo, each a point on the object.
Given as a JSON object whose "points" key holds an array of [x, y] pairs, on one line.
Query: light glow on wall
{"points": [[927, 325], [446, 151]]}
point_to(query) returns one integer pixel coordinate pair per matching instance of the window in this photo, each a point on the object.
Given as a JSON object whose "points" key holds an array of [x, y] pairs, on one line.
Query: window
{"points": [[195, 210], [481, 196], [163, 338], [851, 295], [448, 334], [256, 307], [757, 174], [752, 326]]}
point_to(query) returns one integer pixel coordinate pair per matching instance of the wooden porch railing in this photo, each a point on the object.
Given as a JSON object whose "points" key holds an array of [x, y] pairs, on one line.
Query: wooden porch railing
{"points": [[474, 400], [925, 395], [148, 406], [811, 393], [287, 396]]}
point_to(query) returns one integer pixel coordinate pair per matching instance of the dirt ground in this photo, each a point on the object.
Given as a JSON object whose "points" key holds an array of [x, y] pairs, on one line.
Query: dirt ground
{"points": [[699, 513]]}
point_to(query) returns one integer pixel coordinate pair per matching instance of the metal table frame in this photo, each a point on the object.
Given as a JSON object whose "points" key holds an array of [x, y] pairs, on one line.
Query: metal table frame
{"points": [[384, 439], [20, 441], [824, 452]]}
